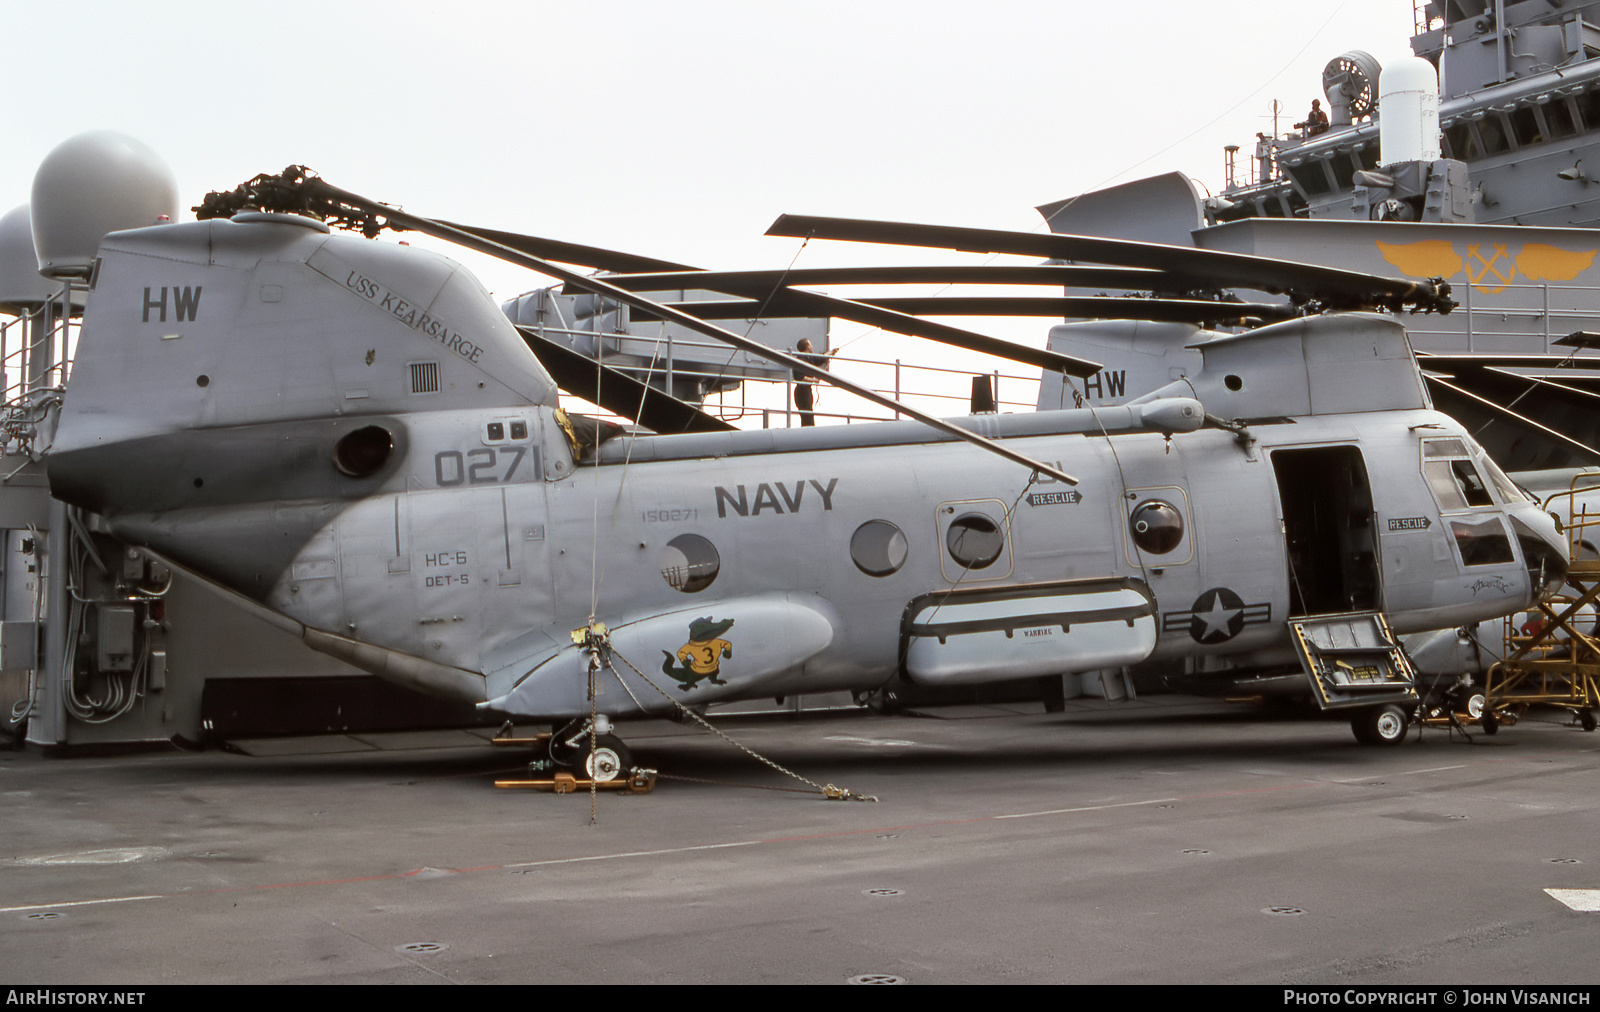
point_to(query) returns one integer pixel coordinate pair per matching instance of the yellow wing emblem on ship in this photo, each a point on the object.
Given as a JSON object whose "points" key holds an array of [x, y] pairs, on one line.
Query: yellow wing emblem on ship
{"points": [[1539, 262], [1431, 258]]}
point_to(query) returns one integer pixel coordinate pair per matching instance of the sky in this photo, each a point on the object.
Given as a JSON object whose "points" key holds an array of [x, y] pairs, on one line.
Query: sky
{"points": [[682, 129]]}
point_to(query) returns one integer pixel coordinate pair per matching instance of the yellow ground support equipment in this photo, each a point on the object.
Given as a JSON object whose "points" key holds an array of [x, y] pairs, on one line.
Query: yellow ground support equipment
{"points": [[638, 781], [1552, 654]]}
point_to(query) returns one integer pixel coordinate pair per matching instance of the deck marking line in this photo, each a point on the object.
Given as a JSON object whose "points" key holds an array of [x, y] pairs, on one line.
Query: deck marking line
{"points": [[1585, 901], [321, 882], [1528, 757], [1086, 808], [632, 853], [79, 903], [1407, 773], [1253, 790], [881, 829]]}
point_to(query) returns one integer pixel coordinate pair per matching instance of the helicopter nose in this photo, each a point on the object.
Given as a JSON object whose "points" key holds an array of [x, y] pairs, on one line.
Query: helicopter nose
{"points": [[1544, 552]]}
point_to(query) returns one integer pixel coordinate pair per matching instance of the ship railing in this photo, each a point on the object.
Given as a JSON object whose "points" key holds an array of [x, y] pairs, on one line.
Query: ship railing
{"points": [[36, 348], [1545, 311], [766, 391], [30, 354], [1425, 20], [937, 390]]}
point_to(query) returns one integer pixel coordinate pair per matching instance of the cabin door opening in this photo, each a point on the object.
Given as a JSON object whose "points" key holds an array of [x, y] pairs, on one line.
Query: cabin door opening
{"points": [[1329, 530]]}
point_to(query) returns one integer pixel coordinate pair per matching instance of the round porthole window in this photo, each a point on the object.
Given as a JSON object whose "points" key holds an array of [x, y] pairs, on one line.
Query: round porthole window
{"points": [[689, 563], [878, 548], [1156, 526], [974, 540], [361, 452]]}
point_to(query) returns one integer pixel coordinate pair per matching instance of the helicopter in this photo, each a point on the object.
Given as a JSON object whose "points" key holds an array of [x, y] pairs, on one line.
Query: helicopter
{"points": [[352, 441]]}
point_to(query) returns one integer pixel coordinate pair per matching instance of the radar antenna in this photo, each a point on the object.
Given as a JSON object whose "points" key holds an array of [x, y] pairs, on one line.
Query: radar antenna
{"points": [[1351, 84]]}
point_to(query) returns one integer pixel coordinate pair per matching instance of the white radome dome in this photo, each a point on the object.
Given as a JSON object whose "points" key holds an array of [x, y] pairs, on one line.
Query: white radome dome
{"points": [[21, 285], [92, 184]]}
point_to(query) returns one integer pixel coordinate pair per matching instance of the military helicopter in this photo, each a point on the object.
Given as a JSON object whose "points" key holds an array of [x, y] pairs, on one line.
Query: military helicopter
{"points": [[352, 440]]}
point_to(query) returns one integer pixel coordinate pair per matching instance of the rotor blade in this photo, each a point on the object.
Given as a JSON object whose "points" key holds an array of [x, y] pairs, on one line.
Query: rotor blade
{"points": [[1136, 279], [811, 304], [1543, 366], [1091, 308], [798, 302], [319, 188], [1510, 378], [1338, 287], [1547, 415], [804, 303], [1444, 391], [618, 392], [571, 253]]}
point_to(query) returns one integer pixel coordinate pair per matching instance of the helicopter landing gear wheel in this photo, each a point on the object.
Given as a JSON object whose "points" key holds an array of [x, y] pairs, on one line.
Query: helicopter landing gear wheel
{"points": [[609, 759], [1466, 699], [1380, 725], [1491, 722], [600, 757], [1586, 719]]}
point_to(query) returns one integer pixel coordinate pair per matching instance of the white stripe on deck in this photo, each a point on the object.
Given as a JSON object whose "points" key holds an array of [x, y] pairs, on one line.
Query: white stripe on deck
{"points": [[1585, 901]]}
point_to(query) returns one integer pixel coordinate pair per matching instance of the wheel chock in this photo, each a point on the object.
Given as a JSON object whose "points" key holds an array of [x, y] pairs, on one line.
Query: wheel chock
{"points": [[531, 742], [638, 781]]}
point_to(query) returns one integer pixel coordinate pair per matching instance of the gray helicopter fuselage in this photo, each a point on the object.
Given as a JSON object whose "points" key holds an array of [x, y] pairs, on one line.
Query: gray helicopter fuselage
{"points": [[491, 578], [350, 435]]}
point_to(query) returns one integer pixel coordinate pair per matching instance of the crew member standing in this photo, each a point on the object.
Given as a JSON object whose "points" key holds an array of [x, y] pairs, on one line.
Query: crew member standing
{"points": [[1316, 120], [805, 392]]}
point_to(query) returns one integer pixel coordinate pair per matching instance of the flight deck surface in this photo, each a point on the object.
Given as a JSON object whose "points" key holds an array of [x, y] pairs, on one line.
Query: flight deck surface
{"points": [[1161, 841]]}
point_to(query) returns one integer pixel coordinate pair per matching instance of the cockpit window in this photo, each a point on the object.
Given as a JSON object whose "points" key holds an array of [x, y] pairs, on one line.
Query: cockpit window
{"points": [[1508, 488], [1547, 568], [1452, 475], [1456, 484], [1481, 542]]}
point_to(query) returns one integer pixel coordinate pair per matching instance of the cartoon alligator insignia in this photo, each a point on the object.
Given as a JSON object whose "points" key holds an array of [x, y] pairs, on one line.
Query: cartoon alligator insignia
{"points": [[701, 657]]}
